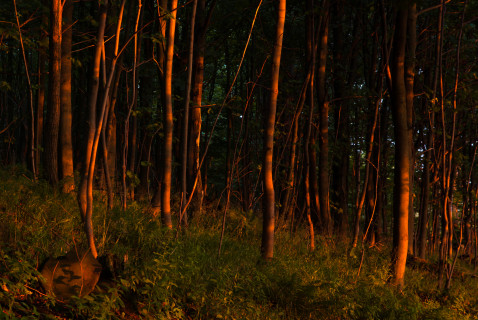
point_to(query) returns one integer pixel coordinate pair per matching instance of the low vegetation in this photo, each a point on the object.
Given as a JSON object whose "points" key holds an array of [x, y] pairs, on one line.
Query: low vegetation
{"points": [[156, 274]]}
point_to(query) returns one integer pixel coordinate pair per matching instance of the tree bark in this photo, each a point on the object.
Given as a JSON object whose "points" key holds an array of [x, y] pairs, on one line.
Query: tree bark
{"points": [[268, 226], [287, 206], [340, 162], [194, 173], [42, 84], [92, 99], [183, 218], [168, 125], [85, 194], [401, 193], [162, 9], [66, 145], [327, 226], [52, 125], [409, 81]]}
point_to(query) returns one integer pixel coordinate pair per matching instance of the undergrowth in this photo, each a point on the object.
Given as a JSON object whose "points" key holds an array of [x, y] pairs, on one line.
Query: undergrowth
{"points": [[161, 276]]}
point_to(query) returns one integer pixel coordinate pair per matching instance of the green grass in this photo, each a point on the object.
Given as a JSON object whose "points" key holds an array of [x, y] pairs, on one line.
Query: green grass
{"points": [[169, 278]]}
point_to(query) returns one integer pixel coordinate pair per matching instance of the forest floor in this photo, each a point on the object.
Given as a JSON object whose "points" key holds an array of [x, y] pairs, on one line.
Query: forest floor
{"points": [[160, 275]]}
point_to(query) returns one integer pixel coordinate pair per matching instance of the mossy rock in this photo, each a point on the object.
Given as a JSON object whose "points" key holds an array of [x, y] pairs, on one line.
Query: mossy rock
{"points": [[74, 274]]}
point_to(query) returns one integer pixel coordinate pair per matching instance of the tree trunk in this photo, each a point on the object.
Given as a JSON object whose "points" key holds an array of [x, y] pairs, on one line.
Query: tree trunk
{"points": [[168, 122], [401, 193], [52, 125], [184, 134], [194, 173], [309, 168], [42, 77], [425, 194], [130, 146], [267, 247], [66, 146], [409, 80], [327, 226], [162, 10], [340, 162], [92, 100], [228, 176], [287, 206]]}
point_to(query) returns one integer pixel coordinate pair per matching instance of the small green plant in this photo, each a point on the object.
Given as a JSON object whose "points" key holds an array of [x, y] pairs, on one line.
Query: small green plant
{"points": [[18, 282]]}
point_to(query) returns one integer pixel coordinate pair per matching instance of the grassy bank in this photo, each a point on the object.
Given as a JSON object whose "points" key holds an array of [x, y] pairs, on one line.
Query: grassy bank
{"points": [[159, 276]]}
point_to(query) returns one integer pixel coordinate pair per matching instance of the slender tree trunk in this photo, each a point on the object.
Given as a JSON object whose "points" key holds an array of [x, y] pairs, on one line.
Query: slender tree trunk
{"points": [[267, 247], [287, 206], [111, 127], [31, 127], [371, 193], [92, 100], [409, 81], [66, 145], [340, 162], [361, 195], [401, 193], [96, 137], [196, 121], [309, 168], [162, 10], [184, 135], [327, 227], [430, 149], [228, 176], [168, 126], [314, 188], [423, 227], [452, 164], [52, 125], [128, 162], [308, 172], [42, 83], [445, 245]]}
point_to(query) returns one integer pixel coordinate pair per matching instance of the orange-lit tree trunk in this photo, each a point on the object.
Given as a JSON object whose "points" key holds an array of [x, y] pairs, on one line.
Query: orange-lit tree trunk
{"points": [[409, 80], [194, 173], [307, 179], [66, 146], [96, 137], [310, 179], [327, 226], [445, 245], [162, 10], [401, 192], [52, 125], [85, 193], [168, 122], [268, 183], [42, 84], [92, 99]]}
